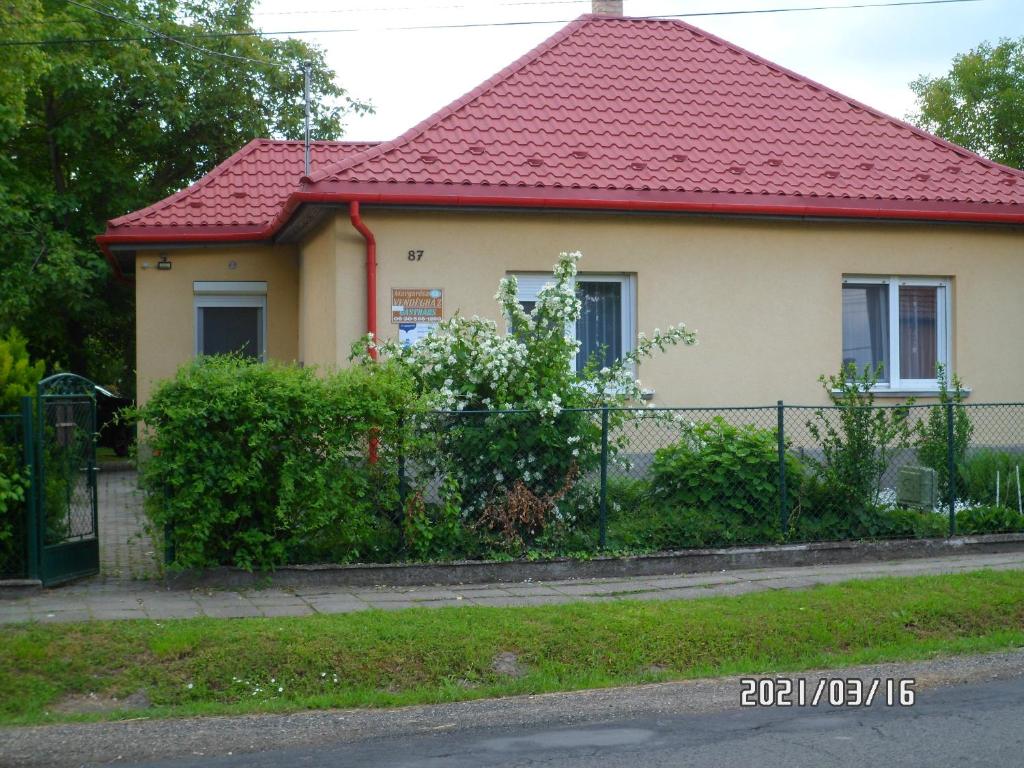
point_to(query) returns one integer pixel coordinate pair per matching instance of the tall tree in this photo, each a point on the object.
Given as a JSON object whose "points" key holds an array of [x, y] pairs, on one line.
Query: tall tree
{"points": [[979, 104], [99, 117]]}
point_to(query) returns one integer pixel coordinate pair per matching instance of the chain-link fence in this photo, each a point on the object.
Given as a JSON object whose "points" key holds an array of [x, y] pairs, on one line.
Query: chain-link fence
{"points": [[647, 479]]}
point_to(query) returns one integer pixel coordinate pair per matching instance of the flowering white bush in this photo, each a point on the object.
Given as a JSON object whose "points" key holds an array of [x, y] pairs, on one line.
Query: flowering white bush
{"points": [[467, 363], [514, 426]]}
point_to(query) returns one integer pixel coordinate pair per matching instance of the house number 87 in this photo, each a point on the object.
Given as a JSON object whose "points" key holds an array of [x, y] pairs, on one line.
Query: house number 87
{"points": [[415, 255]]}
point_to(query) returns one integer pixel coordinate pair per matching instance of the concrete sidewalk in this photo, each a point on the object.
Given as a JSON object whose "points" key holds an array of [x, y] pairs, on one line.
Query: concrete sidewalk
{"points": [[119, 599]]}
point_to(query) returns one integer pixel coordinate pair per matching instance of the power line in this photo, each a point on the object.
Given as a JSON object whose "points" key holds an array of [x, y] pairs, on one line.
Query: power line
{"points": [[370, 9], [420, 8], [133, 22], [258, 33]]}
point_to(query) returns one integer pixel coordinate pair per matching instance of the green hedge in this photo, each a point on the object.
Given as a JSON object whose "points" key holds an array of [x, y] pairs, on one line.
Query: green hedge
{"points": [[255, 465]]}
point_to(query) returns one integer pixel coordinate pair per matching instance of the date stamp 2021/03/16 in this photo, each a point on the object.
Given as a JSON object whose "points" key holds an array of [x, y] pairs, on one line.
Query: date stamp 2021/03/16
{"points": [[834, 692]]}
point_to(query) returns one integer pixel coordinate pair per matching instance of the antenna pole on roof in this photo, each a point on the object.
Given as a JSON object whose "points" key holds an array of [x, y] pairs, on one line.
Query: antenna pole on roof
{"points": [[306, 69]]}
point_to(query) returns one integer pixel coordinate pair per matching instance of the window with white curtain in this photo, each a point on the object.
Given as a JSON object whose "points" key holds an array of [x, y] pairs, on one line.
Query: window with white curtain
{"points": [[606, 326], [899, 323]]}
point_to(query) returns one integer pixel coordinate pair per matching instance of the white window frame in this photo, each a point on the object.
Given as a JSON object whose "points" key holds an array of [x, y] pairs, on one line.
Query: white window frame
{"points": [[529, 285], [246, 293], [944, 304]]}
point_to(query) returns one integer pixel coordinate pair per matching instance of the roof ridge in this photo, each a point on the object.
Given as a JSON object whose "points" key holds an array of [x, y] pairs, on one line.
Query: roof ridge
{"points": [[218, 169], [440, 115], [919, 132]]}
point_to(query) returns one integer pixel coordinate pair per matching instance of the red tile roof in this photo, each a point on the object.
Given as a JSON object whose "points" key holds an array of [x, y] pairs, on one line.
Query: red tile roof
{"points": [[635, 111], [242, 195], [614, 113]]}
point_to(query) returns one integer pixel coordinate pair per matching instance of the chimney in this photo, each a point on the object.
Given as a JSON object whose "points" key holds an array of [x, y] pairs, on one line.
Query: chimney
{"points": [[607, 7]]}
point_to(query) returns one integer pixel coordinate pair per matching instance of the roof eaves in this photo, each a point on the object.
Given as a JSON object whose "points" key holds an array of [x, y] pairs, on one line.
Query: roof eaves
{"points": [[787, 206]]}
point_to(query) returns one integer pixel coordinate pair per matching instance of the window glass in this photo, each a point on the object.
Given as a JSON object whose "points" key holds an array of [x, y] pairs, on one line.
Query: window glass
{"points": [[599, 328], [866, 327], [919, 337], [225, 330], [605, 326]]}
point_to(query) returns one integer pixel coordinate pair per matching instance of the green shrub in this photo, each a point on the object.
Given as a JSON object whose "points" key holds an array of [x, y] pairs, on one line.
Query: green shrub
{"points": [[435, 531], [13, 491], [902, 523], [978, 472], [989, 519], [821, 513], [839, 496], [255, 465], [932, 432], [19, 375], [721, 484]]}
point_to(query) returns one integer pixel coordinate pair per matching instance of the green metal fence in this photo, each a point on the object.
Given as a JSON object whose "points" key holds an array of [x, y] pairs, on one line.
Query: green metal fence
{"points": [[48, 503], [671, 478]]}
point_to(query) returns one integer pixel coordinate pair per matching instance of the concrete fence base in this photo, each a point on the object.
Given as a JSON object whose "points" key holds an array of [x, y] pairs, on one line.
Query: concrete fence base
{"points": [[661, 564]]}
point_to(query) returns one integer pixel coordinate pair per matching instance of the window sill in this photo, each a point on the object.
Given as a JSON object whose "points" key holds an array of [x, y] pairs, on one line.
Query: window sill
{"points": [[905, 392]]}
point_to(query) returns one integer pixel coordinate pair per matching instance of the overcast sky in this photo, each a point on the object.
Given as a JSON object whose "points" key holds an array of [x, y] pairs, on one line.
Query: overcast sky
{"points": [[870, 54]]}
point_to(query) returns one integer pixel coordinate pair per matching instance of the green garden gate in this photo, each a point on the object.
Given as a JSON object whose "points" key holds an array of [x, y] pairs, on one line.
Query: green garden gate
{"points": [[64, 534]]}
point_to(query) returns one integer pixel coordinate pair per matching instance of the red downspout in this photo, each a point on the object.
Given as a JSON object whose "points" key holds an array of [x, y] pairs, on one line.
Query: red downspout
{"points": [[371, 297], [371, 271]]}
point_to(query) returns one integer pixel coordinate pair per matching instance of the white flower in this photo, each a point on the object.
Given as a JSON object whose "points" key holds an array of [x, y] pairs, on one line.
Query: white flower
{"points": [[189, 686]]}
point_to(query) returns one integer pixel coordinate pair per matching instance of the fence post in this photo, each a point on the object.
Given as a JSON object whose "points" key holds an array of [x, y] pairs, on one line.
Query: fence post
{"points": [[951, 468], [783, 496], [604, 478], [31, 500]]}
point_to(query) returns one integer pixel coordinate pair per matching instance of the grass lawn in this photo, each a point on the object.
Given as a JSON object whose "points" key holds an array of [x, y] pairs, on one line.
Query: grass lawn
{"points": [[420, 655]]}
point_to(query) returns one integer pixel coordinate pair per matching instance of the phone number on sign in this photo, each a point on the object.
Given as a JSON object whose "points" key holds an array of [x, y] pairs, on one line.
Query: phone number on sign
{"points": [[836, 692]]}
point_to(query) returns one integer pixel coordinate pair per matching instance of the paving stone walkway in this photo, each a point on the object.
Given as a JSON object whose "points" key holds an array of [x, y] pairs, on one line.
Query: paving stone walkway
{"points": [[119, 599], [126, 550]]}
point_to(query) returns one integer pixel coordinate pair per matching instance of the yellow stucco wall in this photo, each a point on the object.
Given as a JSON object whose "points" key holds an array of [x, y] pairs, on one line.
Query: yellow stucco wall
{"points": [[332, 294], [165, 314], [764, 295], [317, 286]]}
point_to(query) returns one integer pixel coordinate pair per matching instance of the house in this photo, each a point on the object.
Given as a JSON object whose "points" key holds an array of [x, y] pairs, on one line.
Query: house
{"points": [[794, 227]]}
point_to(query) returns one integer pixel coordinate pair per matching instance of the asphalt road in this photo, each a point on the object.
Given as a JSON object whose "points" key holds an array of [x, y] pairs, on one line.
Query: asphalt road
{"points": [[967, 725], [969, 710]]}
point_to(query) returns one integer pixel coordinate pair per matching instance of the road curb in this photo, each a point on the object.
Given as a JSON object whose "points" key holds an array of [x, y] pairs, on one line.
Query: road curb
{"points": [[661, 564], [19, 587]]}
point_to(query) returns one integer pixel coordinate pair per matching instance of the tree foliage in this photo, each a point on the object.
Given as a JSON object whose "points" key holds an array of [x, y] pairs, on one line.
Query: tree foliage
{"points": [[96, 129], [979, 103], [19, 374]]}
